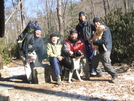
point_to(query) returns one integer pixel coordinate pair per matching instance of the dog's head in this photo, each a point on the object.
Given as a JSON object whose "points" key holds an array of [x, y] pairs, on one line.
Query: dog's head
{"points": [[100, 29], [78, 53]]}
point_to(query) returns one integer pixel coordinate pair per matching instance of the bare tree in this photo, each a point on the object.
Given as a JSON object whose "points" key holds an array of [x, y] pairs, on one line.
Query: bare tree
{"points": [[60, 19], [93, 8], [22, 15], [126, 5]]}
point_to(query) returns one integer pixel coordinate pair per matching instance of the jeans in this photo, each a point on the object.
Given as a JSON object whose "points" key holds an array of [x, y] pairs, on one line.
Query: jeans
{"points": [[90, 55], [56, 65]]}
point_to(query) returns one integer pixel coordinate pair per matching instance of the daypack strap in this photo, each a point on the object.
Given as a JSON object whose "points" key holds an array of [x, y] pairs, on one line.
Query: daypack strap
{"points": [[29, 31]]}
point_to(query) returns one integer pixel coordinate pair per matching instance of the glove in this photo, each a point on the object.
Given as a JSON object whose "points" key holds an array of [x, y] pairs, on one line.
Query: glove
{"points": [[30, 48]]}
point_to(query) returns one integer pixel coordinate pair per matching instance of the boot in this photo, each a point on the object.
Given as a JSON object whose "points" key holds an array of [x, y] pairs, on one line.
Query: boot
{"points": [[58, 80], [92, 71]]}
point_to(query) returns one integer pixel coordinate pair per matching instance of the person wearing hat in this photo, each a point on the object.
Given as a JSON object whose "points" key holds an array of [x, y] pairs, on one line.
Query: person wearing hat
{"points": [[85, 29], [54, 48], [33, 49], [104, 56], [73, 44]]}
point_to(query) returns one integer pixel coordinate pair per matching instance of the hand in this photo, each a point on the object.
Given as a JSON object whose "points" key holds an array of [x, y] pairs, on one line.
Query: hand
{"points": [[60, 58], [71, 53], [93, 47], [91, 40]]}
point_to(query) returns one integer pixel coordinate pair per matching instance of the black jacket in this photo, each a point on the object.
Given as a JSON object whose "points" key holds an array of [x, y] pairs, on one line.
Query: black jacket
{"points": [[85, 31], [35, 42]]}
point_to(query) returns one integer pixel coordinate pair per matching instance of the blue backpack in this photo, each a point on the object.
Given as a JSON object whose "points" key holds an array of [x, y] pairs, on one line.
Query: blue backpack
{"points": [[30, 28]]}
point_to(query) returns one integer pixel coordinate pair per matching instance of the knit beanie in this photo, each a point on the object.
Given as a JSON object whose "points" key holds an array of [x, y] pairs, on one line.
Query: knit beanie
{"points": [[53, 34], [73, 31], [38, 28], [96, 20], [82, 13]]}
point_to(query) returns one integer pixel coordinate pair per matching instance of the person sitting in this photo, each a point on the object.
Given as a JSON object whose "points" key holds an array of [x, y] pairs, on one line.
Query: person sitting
{"points": [[73, 44], [54, 48]]}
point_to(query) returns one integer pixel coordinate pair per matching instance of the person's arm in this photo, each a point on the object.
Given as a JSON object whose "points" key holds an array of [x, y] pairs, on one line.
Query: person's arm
{"points": [[104, 39], [66, 49], [26, 43]]}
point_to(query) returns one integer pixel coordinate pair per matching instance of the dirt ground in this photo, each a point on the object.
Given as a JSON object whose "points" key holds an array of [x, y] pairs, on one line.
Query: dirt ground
{"points": [[97, 89]]}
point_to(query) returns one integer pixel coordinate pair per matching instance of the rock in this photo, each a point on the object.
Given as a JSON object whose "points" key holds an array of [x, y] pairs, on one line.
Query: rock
{"points": [[4, 73], [39, 75]]}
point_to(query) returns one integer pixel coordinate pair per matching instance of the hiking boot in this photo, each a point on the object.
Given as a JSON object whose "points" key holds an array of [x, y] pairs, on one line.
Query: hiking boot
{"points": [[93, 73], [99, 75], [114, 80], [58, 80]]}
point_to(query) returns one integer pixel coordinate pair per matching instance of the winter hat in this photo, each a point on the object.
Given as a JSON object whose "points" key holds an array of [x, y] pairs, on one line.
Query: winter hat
{"points": [[38, 28], [53, 34], [82, 13], [73, 31], [96, 20]]}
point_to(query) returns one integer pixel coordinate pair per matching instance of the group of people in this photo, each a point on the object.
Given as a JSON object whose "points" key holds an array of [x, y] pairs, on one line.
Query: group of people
{"points": [[80, 39]]}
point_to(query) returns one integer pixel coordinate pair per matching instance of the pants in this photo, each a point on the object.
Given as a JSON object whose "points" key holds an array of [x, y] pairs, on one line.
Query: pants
{"points": [[40, 54], [56, 65], [28, 68], [106, 61], [90, 55], [85, 65]]}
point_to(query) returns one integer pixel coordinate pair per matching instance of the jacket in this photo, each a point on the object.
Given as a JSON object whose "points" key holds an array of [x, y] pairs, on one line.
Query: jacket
{"points": [[36, 44], [54, 50], [85, 31], [70, 46], [106, 40]]}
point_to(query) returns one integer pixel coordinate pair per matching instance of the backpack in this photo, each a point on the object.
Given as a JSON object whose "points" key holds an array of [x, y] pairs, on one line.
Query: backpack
{"points": [[30, 28]]}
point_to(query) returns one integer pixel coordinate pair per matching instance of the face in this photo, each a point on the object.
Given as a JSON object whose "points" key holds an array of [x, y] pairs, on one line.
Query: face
{"points": [[54, 39], [83, 18], [97, 24], [74, 36], [38, 33]]}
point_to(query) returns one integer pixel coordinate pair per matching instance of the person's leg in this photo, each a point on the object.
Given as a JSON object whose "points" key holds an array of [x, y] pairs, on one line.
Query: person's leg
{"points": [[95, 62], [56, 65], [106, 61], [40, 54], [90, 55], [85, 68]]}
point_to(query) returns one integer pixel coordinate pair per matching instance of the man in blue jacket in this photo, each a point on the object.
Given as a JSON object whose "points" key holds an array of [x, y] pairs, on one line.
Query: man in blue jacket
{"points": [[104, 56]]}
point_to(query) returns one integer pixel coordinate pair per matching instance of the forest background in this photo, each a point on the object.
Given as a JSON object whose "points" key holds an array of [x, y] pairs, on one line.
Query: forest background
{"points": [[62, 15]]}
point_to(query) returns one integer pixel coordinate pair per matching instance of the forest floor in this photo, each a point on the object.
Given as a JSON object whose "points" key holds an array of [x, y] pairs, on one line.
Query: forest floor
{"points": [[96, 89]]}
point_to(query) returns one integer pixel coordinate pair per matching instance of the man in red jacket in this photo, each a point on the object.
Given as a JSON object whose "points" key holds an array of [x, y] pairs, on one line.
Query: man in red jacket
{"points": [[72, 44]]}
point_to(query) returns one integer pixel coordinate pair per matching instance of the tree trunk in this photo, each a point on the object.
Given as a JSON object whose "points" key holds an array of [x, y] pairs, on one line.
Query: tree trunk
{"points": [[22, 15], [105, 8], [60, 19], [126, 6], [93, 8], [108, 5]]}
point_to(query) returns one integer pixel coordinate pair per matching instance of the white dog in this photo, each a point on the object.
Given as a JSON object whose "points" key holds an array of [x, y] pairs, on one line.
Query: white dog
{"points": [[76, 64], [97, 36]]}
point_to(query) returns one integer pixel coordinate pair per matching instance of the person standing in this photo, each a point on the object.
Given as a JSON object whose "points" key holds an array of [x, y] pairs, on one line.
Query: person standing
{"points": [[85, 29], [104, 56], [54, 48], [32, 49]]}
